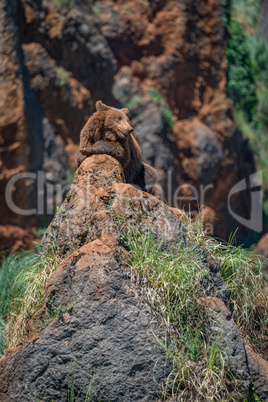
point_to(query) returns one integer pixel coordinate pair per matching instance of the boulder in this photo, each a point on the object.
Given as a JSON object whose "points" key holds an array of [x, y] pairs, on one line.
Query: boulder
{"points": [[108, 327], [109, 331]]}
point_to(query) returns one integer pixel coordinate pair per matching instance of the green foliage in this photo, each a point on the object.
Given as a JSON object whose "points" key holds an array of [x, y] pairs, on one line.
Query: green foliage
{"points": [[131, 103], [255, 396], [241, 72], [254, 131], [247, 12], [247, 79], [63, 3], [62, 76], [166, 112], [128, 9], [96, 9], [56, 311], [70, 176], [39, 233], [172, 279]]}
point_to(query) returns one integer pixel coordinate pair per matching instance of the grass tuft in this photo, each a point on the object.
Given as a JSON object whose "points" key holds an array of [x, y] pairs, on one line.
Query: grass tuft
{"points": [[243, 275], [11, 266], [23, 277], [172, 280]]}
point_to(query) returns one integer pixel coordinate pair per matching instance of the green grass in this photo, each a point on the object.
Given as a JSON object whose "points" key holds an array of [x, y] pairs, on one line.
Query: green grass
{"points": [[244, 278], [23, 277], [166, 112], [94, 384], [11, 267], [172, 281], [72, 394]]}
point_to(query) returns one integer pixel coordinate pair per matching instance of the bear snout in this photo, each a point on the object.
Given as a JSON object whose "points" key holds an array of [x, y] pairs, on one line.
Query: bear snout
{"points": [[131, 130]]}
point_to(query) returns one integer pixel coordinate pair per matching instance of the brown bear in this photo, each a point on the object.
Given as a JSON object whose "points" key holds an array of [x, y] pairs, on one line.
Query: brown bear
{"points": [[108, 131]]}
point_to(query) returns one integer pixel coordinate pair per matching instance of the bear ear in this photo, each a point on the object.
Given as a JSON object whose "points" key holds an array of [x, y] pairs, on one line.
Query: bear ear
{"points": [[125, 110], [101, 106]]}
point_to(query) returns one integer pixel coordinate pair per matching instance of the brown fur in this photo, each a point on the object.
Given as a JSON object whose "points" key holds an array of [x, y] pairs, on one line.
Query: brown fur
{"points": [[108, 131]]}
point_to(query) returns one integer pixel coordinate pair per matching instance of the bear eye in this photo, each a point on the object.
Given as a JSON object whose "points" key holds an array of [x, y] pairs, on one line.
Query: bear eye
{"points": [[119, 118]]}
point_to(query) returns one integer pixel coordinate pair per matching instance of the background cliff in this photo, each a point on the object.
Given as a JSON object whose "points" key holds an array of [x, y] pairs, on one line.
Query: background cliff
{"points": [[165, 60]]}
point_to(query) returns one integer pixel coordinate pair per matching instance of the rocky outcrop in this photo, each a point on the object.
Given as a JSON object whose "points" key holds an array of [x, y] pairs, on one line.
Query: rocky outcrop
{"points": [[108, 327], [28, 144], [99, 201], [108, 331]]}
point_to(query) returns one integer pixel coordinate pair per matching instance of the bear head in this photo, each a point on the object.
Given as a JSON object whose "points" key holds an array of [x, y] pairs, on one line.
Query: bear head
{"points": [[115, 121]]}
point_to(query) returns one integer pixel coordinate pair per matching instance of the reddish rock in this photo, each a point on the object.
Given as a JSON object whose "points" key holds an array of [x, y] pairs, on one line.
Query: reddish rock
{"points": [[261, 248], [71, 150], [73, 39], [27, 141], [15, 238], [259, 371], [179, 50], [99, 201], [66, 102]]}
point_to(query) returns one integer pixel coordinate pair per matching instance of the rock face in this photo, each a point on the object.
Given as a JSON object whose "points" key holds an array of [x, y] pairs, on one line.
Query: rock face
{"points": [[73, 40], [259, 370], [179, 50], [164, 61], [109, 326], [28, 144], [66, 102]]}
